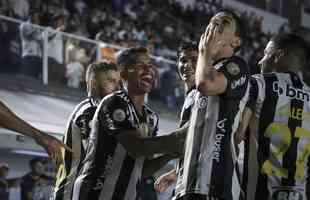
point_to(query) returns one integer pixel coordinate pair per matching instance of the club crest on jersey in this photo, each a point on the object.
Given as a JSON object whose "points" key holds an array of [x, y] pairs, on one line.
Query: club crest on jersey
{"points": [[202, 102], [119, 115], [233, 68], [290, 92]]}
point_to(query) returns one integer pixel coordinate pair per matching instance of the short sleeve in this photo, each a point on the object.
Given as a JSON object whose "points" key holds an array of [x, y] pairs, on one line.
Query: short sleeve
{"points": [[114, 116], [236, 72]]}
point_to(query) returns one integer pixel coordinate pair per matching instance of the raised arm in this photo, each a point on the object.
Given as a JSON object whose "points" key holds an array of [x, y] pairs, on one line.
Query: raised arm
{"points": [[11, 121], [208, 80]]}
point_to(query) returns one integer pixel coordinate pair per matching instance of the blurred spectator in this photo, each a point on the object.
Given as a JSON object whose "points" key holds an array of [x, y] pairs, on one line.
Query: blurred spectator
{"points": [[32, 42], [21, 8], [35, 178], [74, 73], [6, 184], [56, 50]]}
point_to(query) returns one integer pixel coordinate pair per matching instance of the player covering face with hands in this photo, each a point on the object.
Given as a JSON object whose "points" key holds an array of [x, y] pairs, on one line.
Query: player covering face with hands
{"points": [[222, 82]]}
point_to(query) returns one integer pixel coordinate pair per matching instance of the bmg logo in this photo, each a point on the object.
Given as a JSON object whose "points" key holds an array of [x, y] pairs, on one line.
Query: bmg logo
{"points": [[291, 92]]}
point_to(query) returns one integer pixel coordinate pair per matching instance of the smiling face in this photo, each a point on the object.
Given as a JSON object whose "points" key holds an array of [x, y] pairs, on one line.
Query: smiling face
{"points": [[141, 76], [227, 33], [187, 66]]}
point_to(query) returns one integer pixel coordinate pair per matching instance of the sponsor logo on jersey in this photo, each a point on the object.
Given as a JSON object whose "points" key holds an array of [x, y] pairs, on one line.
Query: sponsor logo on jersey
{"points": [[287, 195], [218, 140], [238, 83], [291, 92]]}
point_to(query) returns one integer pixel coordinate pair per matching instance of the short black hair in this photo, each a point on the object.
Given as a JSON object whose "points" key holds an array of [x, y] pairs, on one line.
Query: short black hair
{"points": [[128, 57], [240, 25], [34, 161], [292, 45], [57, 16], [187, 46], [102, 66]]}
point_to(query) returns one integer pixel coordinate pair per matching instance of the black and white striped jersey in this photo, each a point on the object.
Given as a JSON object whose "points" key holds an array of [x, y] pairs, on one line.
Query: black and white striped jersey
{"points": [[109, 172], [184, 118], [279, 142], [76, 137], [210, 156], [187, 107]]}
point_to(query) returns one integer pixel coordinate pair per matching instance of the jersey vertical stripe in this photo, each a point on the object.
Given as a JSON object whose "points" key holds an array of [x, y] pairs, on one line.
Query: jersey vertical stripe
{"points": [[184, 118], [76, 134], [210, 155], [291, 154], [109, 171], [267, 115], [283, 137], [197, 115]]}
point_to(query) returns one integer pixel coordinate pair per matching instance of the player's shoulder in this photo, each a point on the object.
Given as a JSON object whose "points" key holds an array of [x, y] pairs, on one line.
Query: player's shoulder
{"points": [[192, 93], [234, 65], [86, 103], [117, 98], [151, 112]]}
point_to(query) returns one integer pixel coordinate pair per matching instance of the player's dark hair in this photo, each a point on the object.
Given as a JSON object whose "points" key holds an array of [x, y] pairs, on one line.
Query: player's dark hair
{"points": [[102, 66], [34, 161], [294, 47], [127, 58], [187, 46], [240, 25]]}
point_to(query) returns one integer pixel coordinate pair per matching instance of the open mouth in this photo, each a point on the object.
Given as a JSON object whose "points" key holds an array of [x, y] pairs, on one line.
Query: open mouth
{"points": [[147, 79]]}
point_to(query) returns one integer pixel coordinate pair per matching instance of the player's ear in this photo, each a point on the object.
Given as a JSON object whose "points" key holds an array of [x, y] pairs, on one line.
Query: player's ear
{"points": [[124, 74], [91, 85], [279, 55], [236, 42]]}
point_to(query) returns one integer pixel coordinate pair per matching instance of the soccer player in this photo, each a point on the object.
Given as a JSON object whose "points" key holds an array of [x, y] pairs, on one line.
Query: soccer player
{"points": [[102, 79], [11, 121], [187, 59], [121, 136], [209, 170], [277, 160]]}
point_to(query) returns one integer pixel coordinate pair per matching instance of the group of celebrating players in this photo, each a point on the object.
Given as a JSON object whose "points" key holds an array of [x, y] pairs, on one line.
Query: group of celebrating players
{"points": [[111, 140]]}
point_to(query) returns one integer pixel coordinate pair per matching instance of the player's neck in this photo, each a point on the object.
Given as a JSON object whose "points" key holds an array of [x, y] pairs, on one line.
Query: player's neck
{"points": [[188, 86], [138, 101]]}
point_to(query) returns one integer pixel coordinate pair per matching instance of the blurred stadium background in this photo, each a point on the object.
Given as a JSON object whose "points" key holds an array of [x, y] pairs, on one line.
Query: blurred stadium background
{"points": [[46, 45]]}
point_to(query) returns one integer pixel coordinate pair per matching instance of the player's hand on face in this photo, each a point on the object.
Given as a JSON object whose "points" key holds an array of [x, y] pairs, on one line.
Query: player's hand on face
{"points": [[210, 41], [53, 147], [165, 181]]}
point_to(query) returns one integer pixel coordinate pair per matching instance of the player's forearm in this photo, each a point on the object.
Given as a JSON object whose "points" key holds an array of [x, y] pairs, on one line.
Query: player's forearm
{"points": [[139, 146], [205, 69], [168, 144], [205, 72], [150, 167], [11, 121]]}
